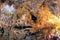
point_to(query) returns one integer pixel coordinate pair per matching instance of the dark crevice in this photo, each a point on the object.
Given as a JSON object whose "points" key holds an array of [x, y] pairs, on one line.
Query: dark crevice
{"points": [[22, 27], [34, 18]]}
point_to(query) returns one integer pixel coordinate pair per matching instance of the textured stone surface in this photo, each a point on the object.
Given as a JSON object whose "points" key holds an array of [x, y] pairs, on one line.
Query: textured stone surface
{"points": [[20, 25]]}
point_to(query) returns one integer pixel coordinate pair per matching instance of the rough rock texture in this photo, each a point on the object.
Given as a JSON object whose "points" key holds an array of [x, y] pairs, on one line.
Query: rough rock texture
{"points": [[29, 21]]}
